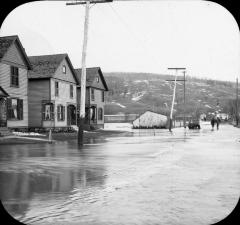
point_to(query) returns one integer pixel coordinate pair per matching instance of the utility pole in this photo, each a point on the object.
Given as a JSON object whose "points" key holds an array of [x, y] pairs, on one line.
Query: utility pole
{"points": [[237, 115], [184, 99], [84, 54], [174, 93]]}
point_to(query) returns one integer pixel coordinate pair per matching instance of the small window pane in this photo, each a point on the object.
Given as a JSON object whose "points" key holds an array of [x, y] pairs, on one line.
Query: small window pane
{"points": [[92, 94], [56, 89], [71, 91], [64, 69]]}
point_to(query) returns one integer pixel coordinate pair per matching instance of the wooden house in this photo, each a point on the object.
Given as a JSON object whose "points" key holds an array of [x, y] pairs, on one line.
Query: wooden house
{"points": [[95, 96], [14, 67], [52, 92]]}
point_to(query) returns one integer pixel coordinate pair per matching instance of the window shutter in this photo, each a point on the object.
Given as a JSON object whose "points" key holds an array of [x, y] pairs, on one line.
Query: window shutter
{"points": [[102, 96], [63, 108], [100, 112], [58, 112], [20, 109], [43, 111], [52, 111], [9, 108]]}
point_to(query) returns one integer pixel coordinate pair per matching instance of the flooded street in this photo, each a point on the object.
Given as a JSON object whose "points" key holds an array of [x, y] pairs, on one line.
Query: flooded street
{"points": [[148, 177]]}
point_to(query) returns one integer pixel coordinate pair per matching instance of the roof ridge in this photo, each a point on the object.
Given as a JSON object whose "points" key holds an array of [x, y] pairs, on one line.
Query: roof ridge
{"points": [[10, 36], [58, 54]]}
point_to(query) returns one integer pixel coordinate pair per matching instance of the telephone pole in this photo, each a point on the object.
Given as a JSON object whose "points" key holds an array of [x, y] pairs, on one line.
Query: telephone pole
{"points": [[84, 54], [184, 99], [174, 93]]}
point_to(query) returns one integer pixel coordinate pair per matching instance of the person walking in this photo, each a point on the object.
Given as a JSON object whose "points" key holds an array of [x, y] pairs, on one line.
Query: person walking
{"points": [[218, 121], [213, 122]]}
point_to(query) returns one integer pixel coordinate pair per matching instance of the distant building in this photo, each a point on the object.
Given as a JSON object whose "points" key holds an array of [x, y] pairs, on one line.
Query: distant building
{"points": [[95, 96], [14, 67], [52, 92], [150, 120]]}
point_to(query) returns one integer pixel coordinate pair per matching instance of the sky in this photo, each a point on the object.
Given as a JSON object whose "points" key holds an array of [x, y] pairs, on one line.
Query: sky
{"points": [[134, 36]]}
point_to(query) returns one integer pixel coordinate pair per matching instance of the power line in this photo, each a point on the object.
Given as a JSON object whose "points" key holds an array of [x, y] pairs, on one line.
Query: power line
{"points": [[136, 38]]}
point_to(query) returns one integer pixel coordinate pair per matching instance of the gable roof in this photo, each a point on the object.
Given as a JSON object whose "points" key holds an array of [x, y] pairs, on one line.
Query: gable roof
{"points": [[6, 42], [45, 66], [3, 92], [91, 74]]}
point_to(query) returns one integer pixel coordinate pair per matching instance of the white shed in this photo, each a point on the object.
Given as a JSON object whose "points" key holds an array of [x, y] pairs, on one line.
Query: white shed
{"points": [[150, 120]]}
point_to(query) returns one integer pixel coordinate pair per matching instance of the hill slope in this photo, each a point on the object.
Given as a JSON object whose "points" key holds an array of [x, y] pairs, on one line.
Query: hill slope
{"points": [[138, 92]]}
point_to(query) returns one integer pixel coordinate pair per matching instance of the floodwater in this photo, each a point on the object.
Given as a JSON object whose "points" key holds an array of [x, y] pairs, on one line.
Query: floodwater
{"points": [[148, 177]]}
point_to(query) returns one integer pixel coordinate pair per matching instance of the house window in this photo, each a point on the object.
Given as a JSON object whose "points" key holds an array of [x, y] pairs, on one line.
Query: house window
{"points": [[97, 79], [100, 114], [92, 94], [14, 76], [71, 91], [15, 109], [61, 113], [64, 69], [48, 111], [56, 89], [102, 96]]}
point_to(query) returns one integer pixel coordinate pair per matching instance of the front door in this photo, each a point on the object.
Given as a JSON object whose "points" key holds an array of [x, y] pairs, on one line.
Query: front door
{"points": [[71, 115], [3, 112], [93, 114]]}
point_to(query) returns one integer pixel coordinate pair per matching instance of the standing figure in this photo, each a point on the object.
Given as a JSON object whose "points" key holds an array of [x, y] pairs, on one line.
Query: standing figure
{"points": [[217, 121], [213, 122]]}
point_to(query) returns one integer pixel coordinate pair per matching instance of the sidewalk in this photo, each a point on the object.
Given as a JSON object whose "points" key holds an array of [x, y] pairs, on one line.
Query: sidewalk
{"points": [[14, 139], [31, 139]]}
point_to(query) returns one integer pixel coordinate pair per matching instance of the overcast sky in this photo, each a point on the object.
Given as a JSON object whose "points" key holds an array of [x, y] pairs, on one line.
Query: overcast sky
{"points": [[134, 36]]}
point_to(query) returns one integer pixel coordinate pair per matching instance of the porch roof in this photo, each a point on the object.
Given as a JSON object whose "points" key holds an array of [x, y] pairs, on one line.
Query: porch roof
{"points": [[3, 93]]}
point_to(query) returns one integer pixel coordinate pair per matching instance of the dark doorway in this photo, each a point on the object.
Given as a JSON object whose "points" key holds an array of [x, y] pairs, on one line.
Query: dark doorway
{"points": [[71, 115]]}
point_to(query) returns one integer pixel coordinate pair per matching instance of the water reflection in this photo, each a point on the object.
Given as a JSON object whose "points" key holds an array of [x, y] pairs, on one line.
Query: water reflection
{"points": [[27, 171], [95, 181]]}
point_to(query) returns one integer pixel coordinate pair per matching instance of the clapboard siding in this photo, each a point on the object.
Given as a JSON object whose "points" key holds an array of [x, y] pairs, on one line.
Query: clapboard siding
{"points": [[63, 98], [20, 92], [98, 84], [38, 91], [13, 56], [62, 76]]}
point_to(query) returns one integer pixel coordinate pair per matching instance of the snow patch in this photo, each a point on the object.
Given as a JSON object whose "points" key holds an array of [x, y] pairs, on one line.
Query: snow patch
{"points": [[138, 96], [208, 106], [141, 81], [118, 126], [116, 103], [27, 134]]}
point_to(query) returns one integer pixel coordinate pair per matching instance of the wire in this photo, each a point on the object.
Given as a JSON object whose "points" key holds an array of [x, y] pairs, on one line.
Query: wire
{"points": [[128, 28]]}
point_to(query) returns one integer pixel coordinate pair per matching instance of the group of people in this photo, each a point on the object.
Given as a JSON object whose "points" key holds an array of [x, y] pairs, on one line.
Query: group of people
{"points": [[215, 120]]}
